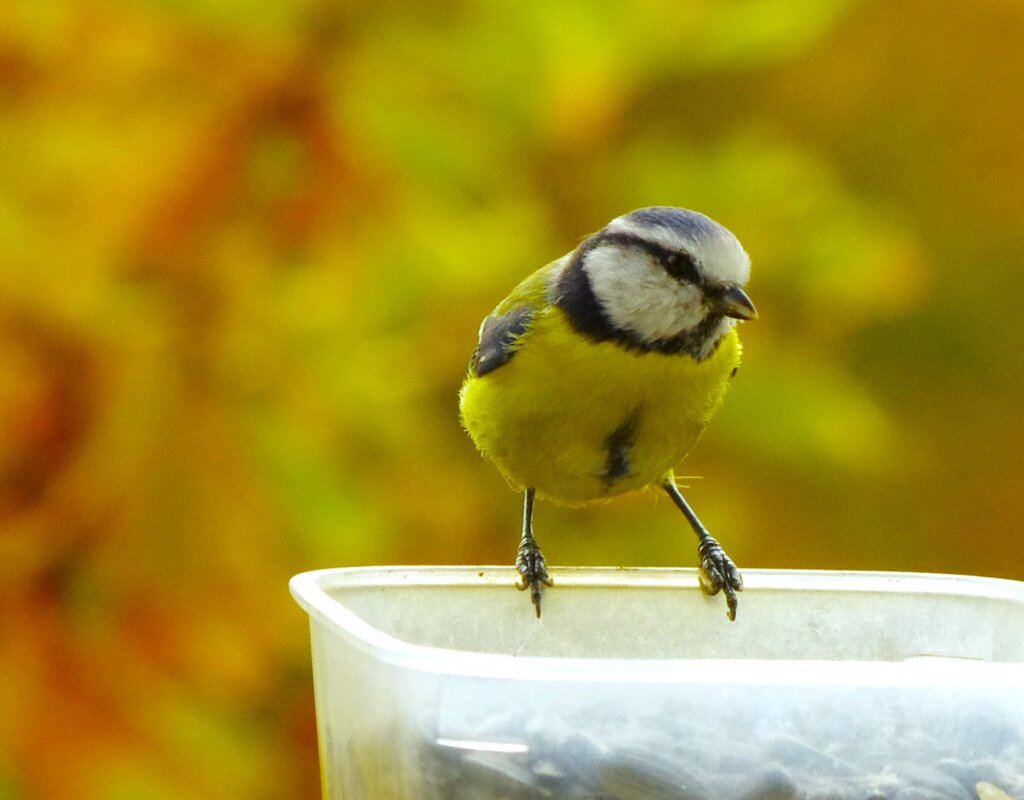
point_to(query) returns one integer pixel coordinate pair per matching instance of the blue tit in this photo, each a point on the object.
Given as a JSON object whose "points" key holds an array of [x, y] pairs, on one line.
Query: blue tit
{"points": [[598, 373]]}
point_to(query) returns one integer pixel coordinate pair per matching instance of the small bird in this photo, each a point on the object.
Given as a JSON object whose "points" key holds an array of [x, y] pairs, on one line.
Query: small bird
{"points": [[598, 373]]}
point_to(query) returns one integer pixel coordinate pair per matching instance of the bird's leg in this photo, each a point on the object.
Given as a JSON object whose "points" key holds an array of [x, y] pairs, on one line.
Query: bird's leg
{"points": [[717, 572], [529, 559]]}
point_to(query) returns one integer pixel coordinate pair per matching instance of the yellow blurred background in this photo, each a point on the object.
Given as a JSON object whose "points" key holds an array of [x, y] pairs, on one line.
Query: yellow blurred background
{"points": [[244, 250]]}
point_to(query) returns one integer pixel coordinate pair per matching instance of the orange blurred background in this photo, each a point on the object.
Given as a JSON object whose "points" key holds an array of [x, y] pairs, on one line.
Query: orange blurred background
{"points": [[245, 250]]}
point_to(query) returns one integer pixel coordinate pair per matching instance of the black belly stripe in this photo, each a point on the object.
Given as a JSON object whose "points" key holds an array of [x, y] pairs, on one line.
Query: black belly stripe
{"points": [[619, 446]]}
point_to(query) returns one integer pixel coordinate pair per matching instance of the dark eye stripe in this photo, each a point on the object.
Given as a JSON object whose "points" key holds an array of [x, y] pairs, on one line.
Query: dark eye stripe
{"points": [[680, 266]]}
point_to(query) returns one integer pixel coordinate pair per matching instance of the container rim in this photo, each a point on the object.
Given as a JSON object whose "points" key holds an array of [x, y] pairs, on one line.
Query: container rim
{"points": [[310, 591]]}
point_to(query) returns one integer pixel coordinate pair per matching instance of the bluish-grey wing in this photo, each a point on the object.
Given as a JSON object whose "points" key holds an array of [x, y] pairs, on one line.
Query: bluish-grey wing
{"points": [[498, 337]]}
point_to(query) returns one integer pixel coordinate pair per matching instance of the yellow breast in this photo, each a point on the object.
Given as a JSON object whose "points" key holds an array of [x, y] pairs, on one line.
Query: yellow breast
{"points": [[579, 420]]}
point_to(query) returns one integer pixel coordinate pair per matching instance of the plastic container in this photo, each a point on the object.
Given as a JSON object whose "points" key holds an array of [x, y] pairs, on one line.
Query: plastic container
{"points": [[439, 683]]}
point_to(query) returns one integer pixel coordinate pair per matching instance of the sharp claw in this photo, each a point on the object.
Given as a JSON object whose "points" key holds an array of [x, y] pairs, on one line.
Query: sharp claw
{"points": [[718, 573], [531, 566], [535, 597], [710, 583], [535, 592], [731, 602]]}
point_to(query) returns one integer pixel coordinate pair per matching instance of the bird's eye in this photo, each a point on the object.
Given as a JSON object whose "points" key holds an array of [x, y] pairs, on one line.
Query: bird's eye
{"points": [[681, 267]]}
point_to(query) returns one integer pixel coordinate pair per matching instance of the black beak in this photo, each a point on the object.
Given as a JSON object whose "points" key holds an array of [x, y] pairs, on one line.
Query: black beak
{"points": [[733, 302]]}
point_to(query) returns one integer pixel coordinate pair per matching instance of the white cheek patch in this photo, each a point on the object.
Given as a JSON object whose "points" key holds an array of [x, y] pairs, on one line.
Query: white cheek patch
{"points": [[639, 296]]}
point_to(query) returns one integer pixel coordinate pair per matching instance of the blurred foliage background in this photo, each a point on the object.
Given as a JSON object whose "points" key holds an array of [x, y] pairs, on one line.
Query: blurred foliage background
{"points": [[245, 250]]}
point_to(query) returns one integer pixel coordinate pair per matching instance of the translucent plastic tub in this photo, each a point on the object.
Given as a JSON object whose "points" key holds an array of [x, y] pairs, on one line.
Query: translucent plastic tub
{"points": [[439, 683]]}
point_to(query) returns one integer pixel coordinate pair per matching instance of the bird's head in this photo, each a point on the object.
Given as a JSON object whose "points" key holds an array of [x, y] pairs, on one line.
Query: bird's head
{"points": [[657, 278]]}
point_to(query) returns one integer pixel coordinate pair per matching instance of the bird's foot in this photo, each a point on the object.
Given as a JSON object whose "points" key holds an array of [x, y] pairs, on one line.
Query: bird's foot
{"points": [[718, 573], [530, 565]]}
